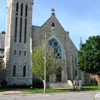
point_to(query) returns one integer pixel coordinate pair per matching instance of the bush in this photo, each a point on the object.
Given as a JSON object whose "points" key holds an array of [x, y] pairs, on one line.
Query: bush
{"points": [[94, 82], [3, 84], [37, 83]]}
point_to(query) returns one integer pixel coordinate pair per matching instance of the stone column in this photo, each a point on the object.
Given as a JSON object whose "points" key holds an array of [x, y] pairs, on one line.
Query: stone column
{"points": [[64, 74]]}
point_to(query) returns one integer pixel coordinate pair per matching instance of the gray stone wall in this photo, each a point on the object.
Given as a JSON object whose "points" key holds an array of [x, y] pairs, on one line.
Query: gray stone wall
{"points": [[18, 59]]}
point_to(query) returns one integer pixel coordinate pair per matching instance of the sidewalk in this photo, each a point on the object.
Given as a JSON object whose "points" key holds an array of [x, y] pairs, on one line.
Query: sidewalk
{"points": [[18, 92], [12, 92]]}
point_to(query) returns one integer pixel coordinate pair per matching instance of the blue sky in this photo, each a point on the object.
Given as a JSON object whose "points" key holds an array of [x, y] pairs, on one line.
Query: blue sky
{"points": [[80, 17]]}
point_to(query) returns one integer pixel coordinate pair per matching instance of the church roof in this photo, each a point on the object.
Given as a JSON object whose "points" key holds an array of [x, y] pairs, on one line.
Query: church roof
{"points": [[2, 40]]}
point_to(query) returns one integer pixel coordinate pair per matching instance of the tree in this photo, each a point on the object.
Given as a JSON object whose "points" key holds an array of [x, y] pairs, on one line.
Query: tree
{"points": [[39, 54], [89, 56]]}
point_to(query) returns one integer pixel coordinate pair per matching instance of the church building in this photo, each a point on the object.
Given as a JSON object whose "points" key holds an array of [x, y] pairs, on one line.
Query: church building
{"points": [[21, 37]]}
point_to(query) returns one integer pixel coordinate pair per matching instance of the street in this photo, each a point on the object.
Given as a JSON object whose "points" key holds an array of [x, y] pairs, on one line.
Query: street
{"points": [[51, 96]]}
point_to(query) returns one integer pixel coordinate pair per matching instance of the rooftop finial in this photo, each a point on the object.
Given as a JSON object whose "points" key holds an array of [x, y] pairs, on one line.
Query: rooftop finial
{"points": [[53, 11]]}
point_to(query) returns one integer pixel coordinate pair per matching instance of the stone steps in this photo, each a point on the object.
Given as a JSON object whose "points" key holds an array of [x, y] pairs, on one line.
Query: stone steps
{"points": [[58, 85]]}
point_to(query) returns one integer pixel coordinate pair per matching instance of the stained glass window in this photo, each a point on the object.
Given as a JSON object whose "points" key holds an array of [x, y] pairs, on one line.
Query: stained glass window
{"points": [[54, 44]]}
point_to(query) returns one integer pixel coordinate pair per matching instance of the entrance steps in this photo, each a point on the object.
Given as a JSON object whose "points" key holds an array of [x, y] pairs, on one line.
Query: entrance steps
{"points": [[58, 85]]}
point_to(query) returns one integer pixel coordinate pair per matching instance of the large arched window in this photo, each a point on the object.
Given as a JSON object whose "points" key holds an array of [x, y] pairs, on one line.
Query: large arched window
{"points": [[55, 45], [14, 70], [24, 71]]}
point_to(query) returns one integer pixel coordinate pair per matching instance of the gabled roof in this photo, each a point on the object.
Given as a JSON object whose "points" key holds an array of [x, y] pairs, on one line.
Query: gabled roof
{"points": [[53, 19]]}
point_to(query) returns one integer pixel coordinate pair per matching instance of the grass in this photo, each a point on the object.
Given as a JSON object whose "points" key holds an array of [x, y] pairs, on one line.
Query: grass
{"points": [[3, 90], [48, 90], [89, 88], [85, 88]]}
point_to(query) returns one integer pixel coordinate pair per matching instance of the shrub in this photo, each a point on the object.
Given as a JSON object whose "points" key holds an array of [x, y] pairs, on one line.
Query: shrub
{"points": [[94, 82], [37, 83], [3, 84]]}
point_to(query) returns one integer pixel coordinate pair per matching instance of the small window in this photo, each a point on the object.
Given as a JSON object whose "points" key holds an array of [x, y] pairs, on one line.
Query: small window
{"points": [[14, 70], [75, 61], [24, 53], [53, 24], [19, 52], [24, 71], [14, 52]]}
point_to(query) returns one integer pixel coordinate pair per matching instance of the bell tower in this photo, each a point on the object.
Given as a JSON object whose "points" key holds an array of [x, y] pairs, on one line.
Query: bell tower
{"points": [[18, 42]]}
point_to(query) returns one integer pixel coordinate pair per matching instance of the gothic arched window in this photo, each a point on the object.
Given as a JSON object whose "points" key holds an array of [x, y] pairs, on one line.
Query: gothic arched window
{"points": [[24, 71], [55, 45], [21, 10], [17, 8], [53, 24], [14, 70]]}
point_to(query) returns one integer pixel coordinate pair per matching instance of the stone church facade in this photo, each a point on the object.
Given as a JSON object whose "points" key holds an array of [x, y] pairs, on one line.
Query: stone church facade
{"points": [[21, 38]]}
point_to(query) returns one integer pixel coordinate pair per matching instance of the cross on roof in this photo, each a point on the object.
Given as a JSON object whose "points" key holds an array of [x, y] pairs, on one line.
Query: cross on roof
{"points": [[53, 10]]}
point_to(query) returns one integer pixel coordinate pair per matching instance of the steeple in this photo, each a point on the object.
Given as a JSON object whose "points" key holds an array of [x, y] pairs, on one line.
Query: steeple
{"points": [[80, 45]]}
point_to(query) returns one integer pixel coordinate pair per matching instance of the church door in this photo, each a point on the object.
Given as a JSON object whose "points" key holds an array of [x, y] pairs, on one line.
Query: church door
{"points": [[58, 76]]}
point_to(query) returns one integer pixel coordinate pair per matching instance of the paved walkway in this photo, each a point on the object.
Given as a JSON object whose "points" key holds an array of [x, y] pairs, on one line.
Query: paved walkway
{"points": [[11, 92]]}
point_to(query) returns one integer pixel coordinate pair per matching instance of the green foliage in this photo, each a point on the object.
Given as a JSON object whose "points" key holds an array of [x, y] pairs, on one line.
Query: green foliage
{"points": [[37, 83], [38, 58], [89, 56], [94, 82], [3, 84]]}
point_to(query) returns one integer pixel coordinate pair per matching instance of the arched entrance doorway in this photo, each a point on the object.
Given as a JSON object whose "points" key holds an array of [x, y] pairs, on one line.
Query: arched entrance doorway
{"points": [[58, 75]]}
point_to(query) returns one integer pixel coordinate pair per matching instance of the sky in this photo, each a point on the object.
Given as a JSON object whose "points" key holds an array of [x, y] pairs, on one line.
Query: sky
{"points": [[80, 17]]}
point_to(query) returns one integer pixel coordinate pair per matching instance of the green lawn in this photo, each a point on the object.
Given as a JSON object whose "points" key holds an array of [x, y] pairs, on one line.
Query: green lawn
{"points": [[89, 88], [85, 88]]}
